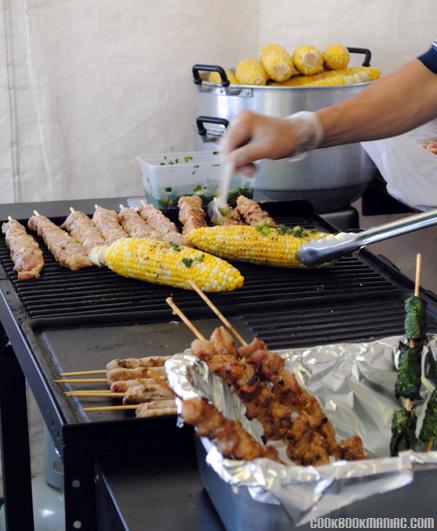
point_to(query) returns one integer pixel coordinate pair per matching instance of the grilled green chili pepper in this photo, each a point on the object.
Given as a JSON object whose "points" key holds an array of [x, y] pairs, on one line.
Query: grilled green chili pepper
{"points": [[415, 318], [403, 429], [409, 371], [429, 426]]}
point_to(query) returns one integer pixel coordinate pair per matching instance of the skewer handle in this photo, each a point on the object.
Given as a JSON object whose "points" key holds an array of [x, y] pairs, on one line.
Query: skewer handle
{"points": [[418, 274], [177, 311], [219, 314], [72, 210], [110, 408], [80, 373], [81, 380]]}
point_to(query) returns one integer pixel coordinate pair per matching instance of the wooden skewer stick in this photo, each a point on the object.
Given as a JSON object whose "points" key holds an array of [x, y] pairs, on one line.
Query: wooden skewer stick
{"points": [[429, 446], [35, 213], [81, 380], [72, 210], [418, 274], [110, 408], [142, 203], [9, 218], [219, 314], [97, 394], [80, 373], [184, 318]]}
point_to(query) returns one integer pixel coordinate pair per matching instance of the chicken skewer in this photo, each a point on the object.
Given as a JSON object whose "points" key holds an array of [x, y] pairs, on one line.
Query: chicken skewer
{"points": [[25, 251], [310, 438], [134, 225], [167, 229], [191, 214], [67, 251], [123, 363], [107, 222], [252, 213], [82, 229]]}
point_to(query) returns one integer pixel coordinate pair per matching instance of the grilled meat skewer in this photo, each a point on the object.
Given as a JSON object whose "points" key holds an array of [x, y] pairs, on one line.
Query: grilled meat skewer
{"points": [[134, 363], [191, 214], [167, 229], [25, 251], [107, 222], [66, 250], [82, 229], [252, 213], [134, 225]]}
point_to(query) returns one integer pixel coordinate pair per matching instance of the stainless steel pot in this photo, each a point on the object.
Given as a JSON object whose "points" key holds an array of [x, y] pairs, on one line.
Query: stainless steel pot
{"points": [[330, 178]]}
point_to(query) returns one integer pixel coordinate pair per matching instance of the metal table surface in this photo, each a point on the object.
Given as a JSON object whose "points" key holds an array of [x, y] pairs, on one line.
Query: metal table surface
{"points": [[114, 485]]}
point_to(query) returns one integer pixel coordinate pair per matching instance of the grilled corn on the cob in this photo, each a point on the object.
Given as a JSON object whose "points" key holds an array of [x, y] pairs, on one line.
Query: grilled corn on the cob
{"points": [[277, 62], [214, 77], [259, 244], [167, 263], [308, 60], [336, 56], [251, 72]]}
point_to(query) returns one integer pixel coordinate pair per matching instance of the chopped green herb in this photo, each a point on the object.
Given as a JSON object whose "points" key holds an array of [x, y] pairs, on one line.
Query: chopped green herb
{"points": [[215, 152], [187, 262], [200, 258], [176, 161], [299, 232], [170, 162], [197, 188], [282, 229], [187, 158], [175, 247], [168, 189], [162, 163], [264, 228], [403, 429], [193, 172]]}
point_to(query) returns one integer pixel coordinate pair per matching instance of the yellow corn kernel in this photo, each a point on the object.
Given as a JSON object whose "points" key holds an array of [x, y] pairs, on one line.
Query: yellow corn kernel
{"points": [[372, 72], [307, 60], [251, 72], [332, 78], [214, 77], [336, 56], [168, 264], [259, 244], [277, 62]]}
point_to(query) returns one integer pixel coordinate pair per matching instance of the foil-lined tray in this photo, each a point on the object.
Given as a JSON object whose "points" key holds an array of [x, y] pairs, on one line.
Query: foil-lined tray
{"points": [[354, 383]]}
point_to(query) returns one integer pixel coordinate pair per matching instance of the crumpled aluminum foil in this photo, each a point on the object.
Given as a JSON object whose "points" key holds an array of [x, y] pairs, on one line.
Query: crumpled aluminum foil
{"points": [[354, 383]]}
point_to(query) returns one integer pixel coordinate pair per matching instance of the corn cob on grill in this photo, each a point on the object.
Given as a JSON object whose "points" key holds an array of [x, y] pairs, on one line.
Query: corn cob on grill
{"points": [[261, 244], [168, 264]]}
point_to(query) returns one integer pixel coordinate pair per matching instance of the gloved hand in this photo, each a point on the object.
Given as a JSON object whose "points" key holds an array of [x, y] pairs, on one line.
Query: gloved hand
{"points": [[253, 136]]}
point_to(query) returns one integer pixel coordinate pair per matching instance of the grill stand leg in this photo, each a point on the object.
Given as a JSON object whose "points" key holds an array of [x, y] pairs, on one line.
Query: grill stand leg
{"points": [[17, 483], [79, 486]]}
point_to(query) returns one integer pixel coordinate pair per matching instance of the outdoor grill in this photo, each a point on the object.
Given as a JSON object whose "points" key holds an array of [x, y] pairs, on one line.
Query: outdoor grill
{"points": [[81, 320]]}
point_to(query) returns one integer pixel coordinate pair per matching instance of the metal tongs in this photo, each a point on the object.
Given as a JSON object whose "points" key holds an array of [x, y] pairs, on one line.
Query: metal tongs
{"points": [[334, 246]]}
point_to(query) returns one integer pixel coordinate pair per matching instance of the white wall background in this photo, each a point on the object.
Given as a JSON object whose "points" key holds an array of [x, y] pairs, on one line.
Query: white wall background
{"points": [[86, 86]]}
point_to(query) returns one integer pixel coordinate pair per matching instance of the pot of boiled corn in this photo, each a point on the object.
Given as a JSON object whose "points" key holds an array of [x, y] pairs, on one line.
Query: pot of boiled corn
{"points": [[279, 83]]}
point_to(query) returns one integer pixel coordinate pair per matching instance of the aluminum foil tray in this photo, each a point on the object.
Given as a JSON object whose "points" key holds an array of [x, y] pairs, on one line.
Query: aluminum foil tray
{"points": [[354, 383]]}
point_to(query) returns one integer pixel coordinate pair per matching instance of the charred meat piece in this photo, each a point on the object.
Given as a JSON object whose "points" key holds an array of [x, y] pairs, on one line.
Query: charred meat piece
{"points": [[157, 408], [82, 229], [252, 213], [228, 435], [25, 251], [191, 214], [352, 449], [66, 250], [107, 222]]}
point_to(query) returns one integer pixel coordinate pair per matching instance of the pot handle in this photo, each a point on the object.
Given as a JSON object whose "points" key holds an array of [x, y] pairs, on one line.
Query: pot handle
{"points": [[367, 53], [201, 120], [209, 68]]}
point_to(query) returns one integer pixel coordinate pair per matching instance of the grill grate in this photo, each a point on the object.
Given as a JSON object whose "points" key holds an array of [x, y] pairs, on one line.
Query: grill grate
{"points": [[93, 292]]}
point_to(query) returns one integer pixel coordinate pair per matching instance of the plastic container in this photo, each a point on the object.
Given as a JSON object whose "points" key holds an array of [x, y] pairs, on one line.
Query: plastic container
{"points": [[168, 176]]}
